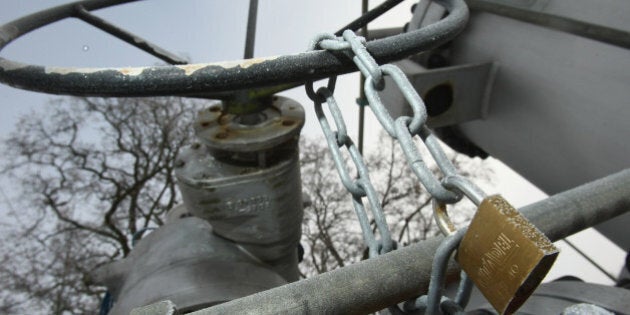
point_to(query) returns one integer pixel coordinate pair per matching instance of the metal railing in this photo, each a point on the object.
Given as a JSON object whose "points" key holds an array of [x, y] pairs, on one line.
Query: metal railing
{"points": [[374, 284]]}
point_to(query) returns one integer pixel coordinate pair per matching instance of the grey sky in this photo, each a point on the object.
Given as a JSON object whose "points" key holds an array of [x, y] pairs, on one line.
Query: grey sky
{"points": [[207, 31]]}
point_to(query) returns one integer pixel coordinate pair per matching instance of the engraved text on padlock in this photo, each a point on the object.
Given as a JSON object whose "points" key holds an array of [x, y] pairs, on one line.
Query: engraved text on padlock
{"points": [[504, 254]]}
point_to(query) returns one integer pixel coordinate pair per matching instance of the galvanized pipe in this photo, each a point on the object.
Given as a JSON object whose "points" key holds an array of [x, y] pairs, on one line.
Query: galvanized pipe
{"points": [[574, 210], [374, 284]]}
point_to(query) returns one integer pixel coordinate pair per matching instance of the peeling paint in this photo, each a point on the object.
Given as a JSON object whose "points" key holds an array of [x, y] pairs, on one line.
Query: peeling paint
{"points": [[125, 71], [190, 69], [62, 70], [8, 65], [131, 71], [169, 80]]}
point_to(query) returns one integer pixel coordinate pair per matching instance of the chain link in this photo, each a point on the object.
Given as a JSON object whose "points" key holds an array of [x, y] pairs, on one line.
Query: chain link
{"points": [[360, 187], [402, 129]]}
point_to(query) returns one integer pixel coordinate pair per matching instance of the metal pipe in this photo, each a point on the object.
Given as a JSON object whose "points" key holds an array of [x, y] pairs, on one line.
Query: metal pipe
{"points": [[211, 79], [367, 17], [250, 37], [381, 33], [376, 283], [128, 37]]}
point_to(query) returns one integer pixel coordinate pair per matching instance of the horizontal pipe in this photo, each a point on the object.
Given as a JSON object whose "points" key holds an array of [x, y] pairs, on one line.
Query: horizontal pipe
{"points": [[374, 284]]}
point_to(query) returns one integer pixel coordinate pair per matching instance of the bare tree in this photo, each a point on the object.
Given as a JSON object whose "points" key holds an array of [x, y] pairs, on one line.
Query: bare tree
{"points": [[93, 172], [331, 234]]}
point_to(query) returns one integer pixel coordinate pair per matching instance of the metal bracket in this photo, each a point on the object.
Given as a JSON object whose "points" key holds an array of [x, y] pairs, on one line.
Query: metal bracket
{"points": [[453, 95]]}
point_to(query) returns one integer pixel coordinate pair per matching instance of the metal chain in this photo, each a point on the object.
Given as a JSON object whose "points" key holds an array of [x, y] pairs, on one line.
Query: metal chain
{"points": [[403, 129], [435, 299], [360, 187]]}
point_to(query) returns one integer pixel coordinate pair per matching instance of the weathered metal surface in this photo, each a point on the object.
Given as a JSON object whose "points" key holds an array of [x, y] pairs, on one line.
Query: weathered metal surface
{"points": [[435, 296], [264, 130], [504, 254], [166, 307], [244, 178], [403, 129], [558, 111], [360, 187], [555, 297], [376, 283], [187, 263], [245, 235], [207, 80], [453, 95], [254, 206], [456, 183]]}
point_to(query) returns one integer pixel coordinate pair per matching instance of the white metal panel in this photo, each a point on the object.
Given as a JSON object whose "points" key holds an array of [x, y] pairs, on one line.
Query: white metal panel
{"points": [[559, 110]]}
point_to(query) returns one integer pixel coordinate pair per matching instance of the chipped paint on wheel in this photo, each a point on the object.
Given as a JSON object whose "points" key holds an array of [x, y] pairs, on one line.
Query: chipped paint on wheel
{"points": [[209, 80], [188, 69]]}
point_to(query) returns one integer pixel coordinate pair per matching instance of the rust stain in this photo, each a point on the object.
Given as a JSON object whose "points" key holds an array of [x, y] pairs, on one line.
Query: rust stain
{"points": [[222, 135], [288, 122], [224, 119]]}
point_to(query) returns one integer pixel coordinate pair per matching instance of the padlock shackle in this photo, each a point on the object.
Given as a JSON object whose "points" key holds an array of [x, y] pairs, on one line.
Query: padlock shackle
{"points": [[463, 185]]}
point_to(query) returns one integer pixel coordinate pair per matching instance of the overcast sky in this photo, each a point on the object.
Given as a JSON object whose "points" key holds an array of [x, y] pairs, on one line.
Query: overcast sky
{"points": [[206, 31]]}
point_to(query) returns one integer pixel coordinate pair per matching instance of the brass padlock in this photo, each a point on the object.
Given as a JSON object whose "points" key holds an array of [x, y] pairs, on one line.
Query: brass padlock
{"points": [[504, 254]]}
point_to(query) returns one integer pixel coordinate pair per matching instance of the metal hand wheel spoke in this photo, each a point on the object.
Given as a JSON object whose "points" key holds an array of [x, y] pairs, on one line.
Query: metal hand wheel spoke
{"points": [[250, 37], [210, 80], [128, 37]]}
